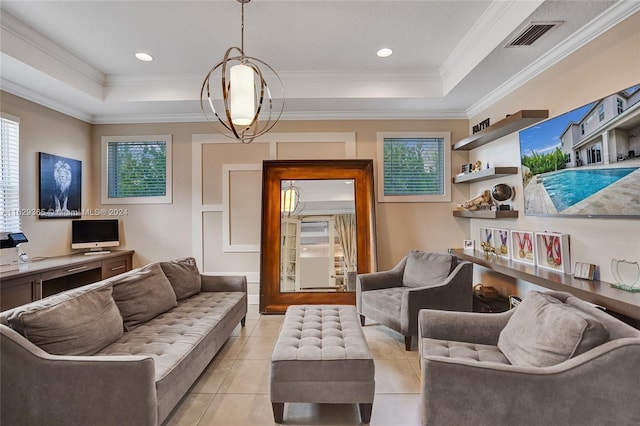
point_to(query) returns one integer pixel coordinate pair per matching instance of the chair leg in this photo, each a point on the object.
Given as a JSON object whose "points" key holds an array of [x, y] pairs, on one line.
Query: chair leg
{"points": [[365, 412], [407, 343], [278, 411], [362, 320]]}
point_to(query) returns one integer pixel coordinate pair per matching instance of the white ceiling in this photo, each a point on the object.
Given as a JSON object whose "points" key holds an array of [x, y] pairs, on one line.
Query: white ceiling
{"points": [[449, 61]]}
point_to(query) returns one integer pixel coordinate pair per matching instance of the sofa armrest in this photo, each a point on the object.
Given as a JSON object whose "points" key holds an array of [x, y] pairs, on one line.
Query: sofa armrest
{"points": [[224, 283], [597, 387], [470, 327], [39, 388]]}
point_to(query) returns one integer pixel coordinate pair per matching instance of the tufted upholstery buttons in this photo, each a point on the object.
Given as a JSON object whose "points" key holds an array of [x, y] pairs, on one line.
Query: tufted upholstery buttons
{"points": [[463, 350], [170, 336]]}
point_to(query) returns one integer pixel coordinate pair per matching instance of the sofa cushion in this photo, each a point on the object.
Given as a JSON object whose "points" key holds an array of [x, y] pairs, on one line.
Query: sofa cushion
{"points": [[463, 350], [142, 294], [543, 331], [79, 322], [426, 269], [184, 276]]}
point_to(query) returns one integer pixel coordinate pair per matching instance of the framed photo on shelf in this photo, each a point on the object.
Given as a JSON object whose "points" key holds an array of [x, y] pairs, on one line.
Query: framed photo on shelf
{"points": [[552, 251], [586, 271], [502, 242], [469, 246], [486, 238], [523, 247]]}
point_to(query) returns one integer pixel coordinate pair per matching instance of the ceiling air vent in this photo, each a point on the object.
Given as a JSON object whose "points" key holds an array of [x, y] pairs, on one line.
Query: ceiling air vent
{"points": [[532, 33]]}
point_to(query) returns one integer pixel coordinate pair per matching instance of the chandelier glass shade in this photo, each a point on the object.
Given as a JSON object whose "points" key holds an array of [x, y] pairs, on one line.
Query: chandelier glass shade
{"points": [[238, 85], [289, 199]]}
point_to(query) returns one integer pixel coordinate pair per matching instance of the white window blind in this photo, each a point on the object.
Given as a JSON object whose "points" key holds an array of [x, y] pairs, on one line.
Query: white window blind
{"points": [[413, 166], [138, 169], [416, 167], [10, 174]]}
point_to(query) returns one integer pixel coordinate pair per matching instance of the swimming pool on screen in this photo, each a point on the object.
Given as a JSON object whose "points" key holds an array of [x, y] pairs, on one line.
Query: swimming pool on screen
{"points": [[569, 187]]}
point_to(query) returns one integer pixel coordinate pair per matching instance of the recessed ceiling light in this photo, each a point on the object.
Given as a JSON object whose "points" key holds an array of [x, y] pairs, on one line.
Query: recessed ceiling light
{"points": [[384, 52], [145, 57]]}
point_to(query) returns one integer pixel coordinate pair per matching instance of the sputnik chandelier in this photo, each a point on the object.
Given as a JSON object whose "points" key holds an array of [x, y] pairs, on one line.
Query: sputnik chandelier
{"points": [[249, 108]]}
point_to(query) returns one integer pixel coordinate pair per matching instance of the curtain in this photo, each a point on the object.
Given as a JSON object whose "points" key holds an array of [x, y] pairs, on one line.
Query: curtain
{"points": [[346, 229]]}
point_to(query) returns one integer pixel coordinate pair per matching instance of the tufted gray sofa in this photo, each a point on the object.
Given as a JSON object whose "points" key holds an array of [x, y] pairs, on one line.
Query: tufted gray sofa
{"points": [[119, 352]]}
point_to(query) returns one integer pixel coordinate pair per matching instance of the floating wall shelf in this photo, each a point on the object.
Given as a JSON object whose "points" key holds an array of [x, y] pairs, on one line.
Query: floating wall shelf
{"points": [[513, 123], [486, 214], [492, 173]]}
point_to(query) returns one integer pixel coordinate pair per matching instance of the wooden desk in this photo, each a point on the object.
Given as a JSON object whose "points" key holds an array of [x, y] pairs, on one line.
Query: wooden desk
{"points": [[594, 291], [41, 278]]}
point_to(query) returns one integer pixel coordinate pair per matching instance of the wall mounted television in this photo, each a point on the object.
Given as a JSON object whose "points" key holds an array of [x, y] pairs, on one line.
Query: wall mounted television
{"points": [[95, 234], [586, 162]]}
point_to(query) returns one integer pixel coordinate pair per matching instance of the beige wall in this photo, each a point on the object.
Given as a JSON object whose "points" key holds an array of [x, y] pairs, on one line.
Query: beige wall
{"points": [[44, 130], [608, 64], [165, 231]]}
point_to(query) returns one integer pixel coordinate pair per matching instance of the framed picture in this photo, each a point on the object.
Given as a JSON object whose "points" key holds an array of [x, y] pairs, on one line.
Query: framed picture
{"points": [[586, 271], [523, 247], [502, 242], [469, 245], [553, 251], [486, 238], [60, 187]]}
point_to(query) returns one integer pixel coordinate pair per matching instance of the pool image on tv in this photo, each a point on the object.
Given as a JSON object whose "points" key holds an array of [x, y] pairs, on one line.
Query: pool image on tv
{"points": [[585, 162]]}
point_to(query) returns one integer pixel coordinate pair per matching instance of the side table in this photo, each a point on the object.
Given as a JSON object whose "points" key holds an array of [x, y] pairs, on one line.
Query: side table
{"points": [[483, 304]]}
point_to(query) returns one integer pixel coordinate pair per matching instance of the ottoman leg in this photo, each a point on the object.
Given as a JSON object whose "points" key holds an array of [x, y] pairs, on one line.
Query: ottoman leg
{"points": [[243, 321], [365, 412], [278, 411]]}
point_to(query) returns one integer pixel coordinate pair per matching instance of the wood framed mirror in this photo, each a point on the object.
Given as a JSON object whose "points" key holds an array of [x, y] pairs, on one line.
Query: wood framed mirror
{"points": [[318, 231]]}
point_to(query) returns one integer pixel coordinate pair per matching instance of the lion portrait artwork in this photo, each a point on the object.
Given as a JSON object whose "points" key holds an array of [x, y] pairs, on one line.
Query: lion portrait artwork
{"points": [[62, 178], [60, 186]]}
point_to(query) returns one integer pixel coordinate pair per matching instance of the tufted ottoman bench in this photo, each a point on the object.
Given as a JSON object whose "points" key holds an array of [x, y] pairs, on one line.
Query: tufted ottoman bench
{"points": [[322, 356]]}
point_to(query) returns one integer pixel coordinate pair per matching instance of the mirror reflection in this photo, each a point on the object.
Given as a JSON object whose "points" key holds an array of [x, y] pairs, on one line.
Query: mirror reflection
{"points": [[318, 235]]}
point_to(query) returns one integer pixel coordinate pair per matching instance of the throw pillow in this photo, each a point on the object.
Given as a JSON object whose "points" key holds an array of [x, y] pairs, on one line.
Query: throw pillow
{"points": [[79, 322], [142, 294], [543, 332], [184, 276], [424, 269]]}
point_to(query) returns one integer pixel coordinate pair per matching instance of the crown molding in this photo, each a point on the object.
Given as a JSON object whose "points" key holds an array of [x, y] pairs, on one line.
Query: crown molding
{"points": [[295, 116], [598, 26], [30, 95], [27, 35]]}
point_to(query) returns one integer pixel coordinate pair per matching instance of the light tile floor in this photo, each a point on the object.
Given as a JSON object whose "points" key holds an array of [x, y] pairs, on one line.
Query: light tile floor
{"points": [[234, 389]]}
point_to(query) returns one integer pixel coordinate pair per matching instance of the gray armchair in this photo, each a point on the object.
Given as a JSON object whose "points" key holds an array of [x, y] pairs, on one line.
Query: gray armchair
{"points": [[559, 362], [421, 280]]}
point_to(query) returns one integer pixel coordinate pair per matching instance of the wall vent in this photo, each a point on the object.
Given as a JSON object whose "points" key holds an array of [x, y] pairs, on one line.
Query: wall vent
{"points": [[532, 33]]}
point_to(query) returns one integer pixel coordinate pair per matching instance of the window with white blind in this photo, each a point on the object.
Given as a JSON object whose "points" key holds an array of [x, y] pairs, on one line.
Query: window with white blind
{"points": [[9, 174], [136, 169], [414, 167]]}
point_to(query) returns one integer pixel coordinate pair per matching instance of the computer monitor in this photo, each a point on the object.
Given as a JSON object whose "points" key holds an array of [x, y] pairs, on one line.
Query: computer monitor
{"points": [[94, 234]]}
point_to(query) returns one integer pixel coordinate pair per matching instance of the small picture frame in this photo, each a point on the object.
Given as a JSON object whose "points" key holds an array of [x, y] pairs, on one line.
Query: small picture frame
{"points": [[585, 271], [469, 245], [552, 251], [486, 238], [523, 247], [502, 240]]}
